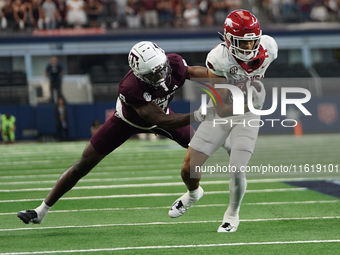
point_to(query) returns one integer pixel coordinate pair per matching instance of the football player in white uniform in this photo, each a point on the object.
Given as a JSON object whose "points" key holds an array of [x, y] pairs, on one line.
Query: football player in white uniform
{"points": [[244, 56]]}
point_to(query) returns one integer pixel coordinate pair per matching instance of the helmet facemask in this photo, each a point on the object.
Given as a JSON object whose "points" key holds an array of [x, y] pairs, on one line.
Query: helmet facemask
{"points": [[241, 25], [233, 43], [158, 75]]}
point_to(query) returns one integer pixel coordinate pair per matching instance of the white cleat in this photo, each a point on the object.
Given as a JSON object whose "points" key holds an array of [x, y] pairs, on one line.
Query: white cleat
{"points": [[226, 228], [181, 205], [177, 209]]}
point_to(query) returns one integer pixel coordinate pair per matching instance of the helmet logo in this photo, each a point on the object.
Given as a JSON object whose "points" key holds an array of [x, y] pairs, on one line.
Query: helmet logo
{"points": [[254, 21], [133, 60], [228, 22]]}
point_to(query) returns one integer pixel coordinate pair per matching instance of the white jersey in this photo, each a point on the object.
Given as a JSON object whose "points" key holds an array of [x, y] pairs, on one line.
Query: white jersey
{"points": [[222, 63], [209, 137]]}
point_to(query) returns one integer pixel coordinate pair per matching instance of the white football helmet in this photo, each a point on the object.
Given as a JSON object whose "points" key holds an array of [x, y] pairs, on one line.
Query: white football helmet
{"points": [[150, 64]]}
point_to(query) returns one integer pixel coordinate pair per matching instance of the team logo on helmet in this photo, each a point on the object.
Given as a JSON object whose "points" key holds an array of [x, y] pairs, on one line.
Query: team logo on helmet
{"points": [[228, 22], [133, 60]]}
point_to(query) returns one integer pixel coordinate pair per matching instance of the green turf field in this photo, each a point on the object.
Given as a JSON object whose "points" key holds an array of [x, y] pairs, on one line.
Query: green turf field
{"points": [[121, 207]]}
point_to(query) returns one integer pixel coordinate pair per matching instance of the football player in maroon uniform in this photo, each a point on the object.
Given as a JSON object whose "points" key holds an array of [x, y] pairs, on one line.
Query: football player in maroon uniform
{"points": [[142, 107]]}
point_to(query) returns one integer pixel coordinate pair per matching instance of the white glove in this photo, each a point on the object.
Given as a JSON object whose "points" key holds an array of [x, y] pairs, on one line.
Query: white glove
{"points": [[209, 116], [258, 97]]}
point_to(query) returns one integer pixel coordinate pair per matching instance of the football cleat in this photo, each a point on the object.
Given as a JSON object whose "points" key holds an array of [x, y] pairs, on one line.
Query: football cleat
{"points": [[177, 209], [28, 216], [181, 205], [226, 227]]}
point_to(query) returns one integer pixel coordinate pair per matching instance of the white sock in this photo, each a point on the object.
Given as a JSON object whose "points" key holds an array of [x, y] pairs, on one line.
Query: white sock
{"points": [[42, 210], [195, 193], [237, 189], [192, 196]]}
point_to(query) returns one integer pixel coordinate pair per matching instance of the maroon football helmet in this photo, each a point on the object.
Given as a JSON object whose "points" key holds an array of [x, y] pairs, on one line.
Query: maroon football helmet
{"points": [[242, 25]]}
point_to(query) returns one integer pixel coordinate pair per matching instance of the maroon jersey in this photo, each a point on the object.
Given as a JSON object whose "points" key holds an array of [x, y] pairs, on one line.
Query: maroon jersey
{"points": [[134, 91]]}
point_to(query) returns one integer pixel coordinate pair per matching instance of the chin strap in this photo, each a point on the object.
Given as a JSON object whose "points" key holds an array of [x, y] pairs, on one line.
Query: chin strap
{"points": [[221, 36]]}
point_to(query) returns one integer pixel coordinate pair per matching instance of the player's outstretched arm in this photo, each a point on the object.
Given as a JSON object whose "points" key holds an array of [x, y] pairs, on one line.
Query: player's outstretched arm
{"points": [[153, 114], [197, 72]]}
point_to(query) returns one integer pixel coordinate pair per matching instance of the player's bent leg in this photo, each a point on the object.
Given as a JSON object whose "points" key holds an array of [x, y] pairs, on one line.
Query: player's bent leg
{"points": [[89, 159], [110, 136], [205, 142], [195, 191], [68, 179], [189, 173]]}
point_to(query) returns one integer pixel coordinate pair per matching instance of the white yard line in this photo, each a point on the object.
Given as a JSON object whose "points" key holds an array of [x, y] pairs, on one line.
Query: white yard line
{"points": [[165, 223], [97, 180], [138, 185], [115, 168], [170, 247], [200, 206], [269, 180], [152, 195], [39, 176]]}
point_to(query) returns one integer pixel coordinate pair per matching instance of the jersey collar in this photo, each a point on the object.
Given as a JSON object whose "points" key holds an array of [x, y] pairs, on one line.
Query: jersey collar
{"points": [[261, 57]]}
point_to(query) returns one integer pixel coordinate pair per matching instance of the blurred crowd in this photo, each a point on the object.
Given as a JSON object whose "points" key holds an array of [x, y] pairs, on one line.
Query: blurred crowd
{"points": [[112, 14], [293, 11]]}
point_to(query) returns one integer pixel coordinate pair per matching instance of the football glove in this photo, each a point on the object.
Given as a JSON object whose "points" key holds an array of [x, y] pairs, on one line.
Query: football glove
{"points": [[209, 116], [258, 96]]}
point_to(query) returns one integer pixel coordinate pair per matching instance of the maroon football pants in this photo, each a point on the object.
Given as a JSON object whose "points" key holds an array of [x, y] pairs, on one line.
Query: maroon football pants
{"points": [[115, 132]]}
